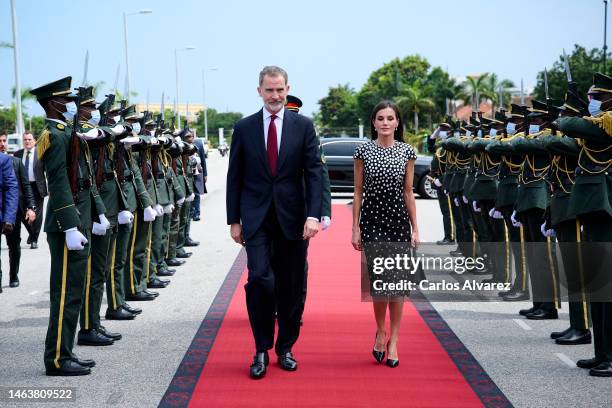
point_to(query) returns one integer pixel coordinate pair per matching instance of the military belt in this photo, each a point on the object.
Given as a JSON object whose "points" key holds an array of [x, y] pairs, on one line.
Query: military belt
{"points": [[84, 184]]}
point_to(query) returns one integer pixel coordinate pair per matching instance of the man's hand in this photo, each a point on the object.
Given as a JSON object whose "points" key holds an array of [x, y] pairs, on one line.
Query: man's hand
{"points": [[30, 216], [236, 233], [7, 228], [311, 227]]}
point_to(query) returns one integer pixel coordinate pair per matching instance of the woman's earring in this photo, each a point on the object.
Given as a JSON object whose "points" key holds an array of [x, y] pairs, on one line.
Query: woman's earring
{"points": [[376, 130]]}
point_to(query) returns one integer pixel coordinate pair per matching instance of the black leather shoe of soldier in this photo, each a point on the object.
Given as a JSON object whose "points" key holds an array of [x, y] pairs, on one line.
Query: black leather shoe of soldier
{"points": [[111, 335], [602, 370], [166, 272], [183, 254], [84, 362], [93, 338], [525, 312], [445, 241], [152, 293], [134, 310], [139, 297], [14, 283], [119, 314], [191, 242], [174, 262], [557, 334], [68, 368], [589, 362], [541, 314], [156, 283], [517, 296], [575, 337]]}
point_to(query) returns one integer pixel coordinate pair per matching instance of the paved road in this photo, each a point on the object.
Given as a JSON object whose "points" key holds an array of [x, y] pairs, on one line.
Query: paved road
{"points": [[517, 354]]}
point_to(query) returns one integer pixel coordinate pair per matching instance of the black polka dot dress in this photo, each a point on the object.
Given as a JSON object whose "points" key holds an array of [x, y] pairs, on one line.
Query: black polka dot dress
{"points": [[384, 217]]}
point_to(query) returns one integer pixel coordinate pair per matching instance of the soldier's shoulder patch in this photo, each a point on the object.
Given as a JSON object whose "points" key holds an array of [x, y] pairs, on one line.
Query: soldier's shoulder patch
{"points": [[43, 143], [60, 126]]}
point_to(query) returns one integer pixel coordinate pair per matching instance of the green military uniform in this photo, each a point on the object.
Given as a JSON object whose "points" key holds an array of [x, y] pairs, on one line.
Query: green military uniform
{"points": [[181, 193], [185, 177]]}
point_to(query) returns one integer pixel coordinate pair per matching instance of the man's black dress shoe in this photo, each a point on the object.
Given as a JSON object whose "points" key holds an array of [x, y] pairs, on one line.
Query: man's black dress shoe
{"points": [[14, 283], [139, 297], [191, 242], [602, 370], [119, 314], [34, 245], [157, 283], [575, 337], [84, 362], [556, 335], [456, 252], [166, 272], [111, 335], [93, 338], [589, 362], [68, 368], [541, 314], [183, 254], [445, 241], [134, 310], [516, 296], [151, 293], [525, 312], [260, 362], [287, 362], [174, 262]]}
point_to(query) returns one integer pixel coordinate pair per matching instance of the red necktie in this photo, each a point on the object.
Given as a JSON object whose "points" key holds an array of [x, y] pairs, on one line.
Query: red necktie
{"points": [[272, 147]]}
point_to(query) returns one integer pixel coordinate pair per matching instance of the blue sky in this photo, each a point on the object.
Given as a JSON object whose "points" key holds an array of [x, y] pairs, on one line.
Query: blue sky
{"points": [[320, 43]]}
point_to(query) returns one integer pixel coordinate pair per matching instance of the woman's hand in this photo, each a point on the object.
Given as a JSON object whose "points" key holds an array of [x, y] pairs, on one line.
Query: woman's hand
{"points": [[415, 240], [356, 240]]}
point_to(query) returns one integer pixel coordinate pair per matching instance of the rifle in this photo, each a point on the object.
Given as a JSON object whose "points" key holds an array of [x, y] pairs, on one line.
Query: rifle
{"points": [[571, 85], [75, 150]]}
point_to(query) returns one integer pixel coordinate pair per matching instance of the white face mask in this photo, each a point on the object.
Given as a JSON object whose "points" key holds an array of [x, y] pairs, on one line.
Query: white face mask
{"points": [[479, 134], [95, 118], [534, 129], [117, 119], [457, 134], [594, 107], [493, 132], [511, 128], [468, 133], [443, 134], [135, 128], [71, 110]]}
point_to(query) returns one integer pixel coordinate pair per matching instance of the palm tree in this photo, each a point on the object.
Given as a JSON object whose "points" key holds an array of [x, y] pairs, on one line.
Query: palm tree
{"points": [[25, 96], [474, 87], [493, 90], [413, 99]]}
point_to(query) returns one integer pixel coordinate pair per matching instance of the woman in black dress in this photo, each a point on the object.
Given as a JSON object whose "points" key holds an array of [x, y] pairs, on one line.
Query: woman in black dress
{"points": [[384, 211]]}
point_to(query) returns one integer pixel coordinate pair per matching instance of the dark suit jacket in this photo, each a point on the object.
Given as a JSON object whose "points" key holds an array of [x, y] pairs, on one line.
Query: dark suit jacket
{"points": [[199, 182], [26, 199], [39, 172], [296, 188], [9, 190]]}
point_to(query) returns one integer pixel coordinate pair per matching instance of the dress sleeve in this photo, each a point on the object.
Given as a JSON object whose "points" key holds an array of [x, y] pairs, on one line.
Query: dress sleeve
{"points": [[359, 151], [410, 154]]}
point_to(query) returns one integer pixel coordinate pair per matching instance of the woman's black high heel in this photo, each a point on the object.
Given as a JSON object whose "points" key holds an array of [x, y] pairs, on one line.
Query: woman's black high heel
{"points": [[390, 362], [378, 355]]}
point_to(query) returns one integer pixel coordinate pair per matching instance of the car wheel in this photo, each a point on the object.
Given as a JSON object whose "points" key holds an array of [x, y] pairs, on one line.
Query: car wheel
{"points": [[427, 188]]}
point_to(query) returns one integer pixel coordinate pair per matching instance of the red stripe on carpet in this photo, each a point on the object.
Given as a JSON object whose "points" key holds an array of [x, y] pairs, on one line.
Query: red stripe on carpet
{"points": [[336, 367]]}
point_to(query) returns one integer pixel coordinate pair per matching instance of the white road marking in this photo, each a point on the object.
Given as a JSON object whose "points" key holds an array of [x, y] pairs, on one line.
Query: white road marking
{"points": [[522, 324], [566, 360]]}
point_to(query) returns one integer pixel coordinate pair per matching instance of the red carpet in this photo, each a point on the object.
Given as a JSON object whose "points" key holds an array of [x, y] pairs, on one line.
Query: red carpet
{"points": [[336, 368]]}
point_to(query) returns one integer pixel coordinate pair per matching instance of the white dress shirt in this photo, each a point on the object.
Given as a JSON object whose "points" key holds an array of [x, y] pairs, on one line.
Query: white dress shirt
{"points": [[30, 169], [279, 126]]}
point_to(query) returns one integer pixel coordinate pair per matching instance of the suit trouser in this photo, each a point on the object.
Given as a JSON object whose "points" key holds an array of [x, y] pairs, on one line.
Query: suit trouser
{"points": [[541, 260], [444, 201], [98, 265], [66, 294], [275, 281], [195, 206], [598, 229], [13, 241], [175, 220], [34, 228], [519, 251], [568, 235]]}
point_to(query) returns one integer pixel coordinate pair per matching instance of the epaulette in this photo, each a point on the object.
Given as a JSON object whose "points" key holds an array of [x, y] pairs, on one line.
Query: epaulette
{"points": [[604, 121], [44, 141]]}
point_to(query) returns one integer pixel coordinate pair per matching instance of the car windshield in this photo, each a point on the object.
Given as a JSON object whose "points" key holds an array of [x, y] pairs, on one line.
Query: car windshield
{"points": [[340, 148]]}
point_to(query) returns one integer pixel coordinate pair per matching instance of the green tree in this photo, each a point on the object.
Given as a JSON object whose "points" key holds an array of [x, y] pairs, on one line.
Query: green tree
{"points": [[339, 108], [583, 63], [443, 89], [414, 100], [474, 88], [216, 120], [493, 87]]}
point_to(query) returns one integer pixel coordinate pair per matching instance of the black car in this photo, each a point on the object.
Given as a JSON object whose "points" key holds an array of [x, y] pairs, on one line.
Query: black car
{"points": [[339, 155]]}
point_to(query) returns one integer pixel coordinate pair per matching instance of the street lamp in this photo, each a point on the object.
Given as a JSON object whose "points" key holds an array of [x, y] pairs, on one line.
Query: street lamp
{"points": [[178, 111], [204, 100], [19, 122], [125, 39]]}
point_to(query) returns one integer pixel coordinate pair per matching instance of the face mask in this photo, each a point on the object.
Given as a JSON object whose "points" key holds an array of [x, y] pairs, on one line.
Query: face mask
{"points": [[493, 132], [479, 134], [136, 128], [457, 134], [468, 133], [95, 118], [443, 134], [511, 128], [117, 119], [534, 129], [71, 110], [594, 107]]}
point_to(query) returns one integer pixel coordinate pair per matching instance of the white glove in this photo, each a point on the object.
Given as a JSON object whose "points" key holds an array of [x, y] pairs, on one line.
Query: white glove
{"points": [[514, 221], [149, 214], [132, 140], [98, 229], [437, 182], [465, 199], [445, 192], [495, 214], [125, 217], [475, 207], [325, 222], [549, 233], [153, 140], [104, 221], [162, 139], [190, 198], [197, 159], [181, 201], [456, 200], [168, 209], [159, 209], [118, 130], [91, 134], [75, 241]]}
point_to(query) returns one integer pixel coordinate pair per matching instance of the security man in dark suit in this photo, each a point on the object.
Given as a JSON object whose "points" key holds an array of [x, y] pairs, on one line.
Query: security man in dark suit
{"points": [[38, 185]]}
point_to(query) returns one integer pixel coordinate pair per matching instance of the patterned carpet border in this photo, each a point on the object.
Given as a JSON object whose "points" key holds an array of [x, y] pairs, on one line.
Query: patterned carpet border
{"points": [[488, 392], [181, 387]]}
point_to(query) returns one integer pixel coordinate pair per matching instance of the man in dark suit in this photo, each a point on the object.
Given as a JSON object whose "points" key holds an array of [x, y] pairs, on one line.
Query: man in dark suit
{"points": [[9, 193], [274, 199], [38, 183], [200, 180], [25, 211]]}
